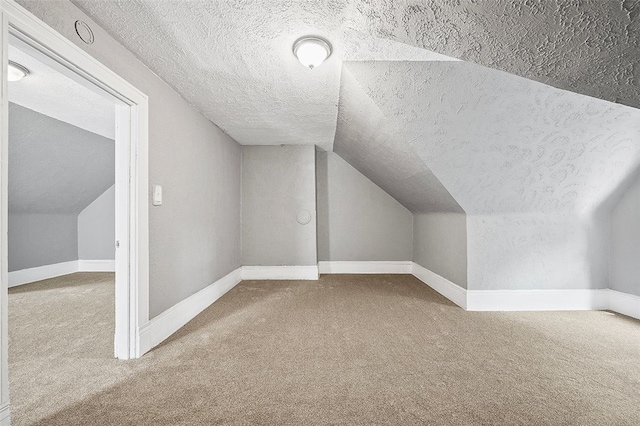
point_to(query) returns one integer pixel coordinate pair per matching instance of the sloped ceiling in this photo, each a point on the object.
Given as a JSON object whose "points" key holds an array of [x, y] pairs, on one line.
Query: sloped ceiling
{"points": [[55, 167], [364, 138], [50, 93], [497, 142], [232, 59]]}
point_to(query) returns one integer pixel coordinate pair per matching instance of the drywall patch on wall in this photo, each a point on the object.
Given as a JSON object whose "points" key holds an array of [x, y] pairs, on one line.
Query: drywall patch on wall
{"points": [[440, 245], [358, 221], [277, 183], [97, 229]]}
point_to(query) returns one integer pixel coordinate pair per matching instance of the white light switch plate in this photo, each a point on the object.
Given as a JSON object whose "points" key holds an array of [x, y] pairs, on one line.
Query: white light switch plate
{"points": [[157, 195]]}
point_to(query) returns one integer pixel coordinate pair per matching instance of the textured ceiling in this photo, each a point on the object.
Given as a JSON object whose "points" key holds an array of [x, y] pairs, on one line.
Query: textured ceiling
{"points": [[50, 93], [232, 59], [364, 138], [55, 167], [497, 142]]}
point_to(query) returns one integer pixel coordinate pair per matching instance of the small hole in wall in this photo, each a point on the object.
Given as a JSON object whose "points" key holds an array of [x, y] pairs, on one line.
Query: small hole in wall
{"points": [[84, 32]]}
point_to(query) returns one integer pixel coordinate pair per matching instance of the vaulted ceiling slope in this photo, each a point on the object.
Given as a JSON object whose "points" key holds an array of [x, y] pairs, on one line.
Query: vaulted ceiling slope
{"points": [[55, 167], [494, 141], [232, 60], [365, 139], [49, 92]]}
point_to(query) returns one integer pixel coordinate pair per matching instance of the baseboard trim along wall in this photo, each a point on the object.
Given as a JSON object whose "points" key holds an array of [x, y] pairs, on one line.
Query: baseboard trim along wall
{"points": [[5, 415], [530, 300], [451, 291], [538, 300], [96, 265], [280, 272], [171, 320], [624, 303], [30, 275], [369, 267]]}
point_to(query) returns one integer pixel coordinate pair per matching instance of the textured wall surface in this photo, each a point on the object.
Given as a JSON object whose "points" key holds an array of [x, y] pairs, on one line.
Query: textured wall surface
{"points": [[195, 235], [42, 239], [440, 245], [277, 183], [357, 220], [366, 138], [55, 167], [501, 143], [535, 168], [97, 228], [624, 265], [230, 59], [536, 251], [530, 163]]}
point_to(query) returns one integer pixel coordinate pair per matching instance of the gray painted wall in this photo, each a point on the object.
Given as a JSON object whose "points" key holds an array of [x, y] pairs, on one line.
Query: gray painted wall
{"points": [[277, 183], [97, 228], [440, 245], [624, 267], [55, 167], [195, 235], [41, 239], [358, 221], [55, 170]]}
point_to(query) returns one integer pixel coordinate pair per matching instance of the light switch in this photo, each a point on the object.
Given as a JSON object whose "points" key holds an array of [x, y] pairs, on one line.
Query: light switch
{"points": [[157, 195]]}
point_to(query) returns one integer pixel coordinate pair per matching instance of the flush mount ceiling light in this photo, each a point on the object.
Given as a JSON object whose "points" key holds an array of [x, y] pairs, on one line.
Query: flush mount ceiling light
{"points": [[311, 51], [16, 72]]}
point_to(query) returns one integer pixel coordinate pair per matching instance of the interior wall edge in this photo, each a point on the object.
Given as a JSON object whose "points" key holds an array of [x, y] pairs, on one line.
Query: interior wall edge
{"points": [[531, 300], [171, 320], [39, 273]]}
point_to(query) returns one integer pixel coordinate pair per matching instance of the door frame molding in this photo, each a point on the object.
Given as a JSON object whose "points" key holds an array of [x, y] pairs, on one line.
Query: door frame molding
{"points": [[132, 181]]}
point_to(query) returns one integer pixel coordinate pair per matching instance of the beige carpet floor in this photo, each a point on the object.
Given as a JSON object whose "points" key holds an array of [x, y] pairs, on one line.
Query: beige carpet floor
{"points": [[342, 350]]}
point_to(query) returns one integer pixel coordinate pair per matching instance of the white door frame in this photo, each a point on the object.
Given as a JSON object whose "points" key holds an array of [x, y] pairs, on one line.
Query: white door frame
{"points": [[132, 223]]}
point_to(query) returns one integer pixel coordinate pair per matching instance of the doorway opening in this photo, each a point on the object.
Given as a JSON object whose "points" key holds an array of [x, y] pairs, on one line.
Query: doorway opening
{"points": [[33, 37]]}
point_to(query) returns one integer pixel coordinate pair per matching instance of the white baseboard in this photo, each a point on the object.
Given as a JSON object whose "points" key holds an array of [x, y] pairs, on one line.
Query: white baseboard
{"points": [[530, 300], [537, 300], [5, 415], [624, 303], [369, 267], [280, 272], [171, 320], [30, 275], [451, 291], [96, 265]]}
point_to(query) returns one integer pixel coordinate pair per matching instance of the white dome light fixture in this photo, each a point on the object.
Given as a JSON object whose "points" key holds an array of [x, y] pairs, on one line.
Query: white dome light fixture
{"points": [[311, 51], [16, 72]]}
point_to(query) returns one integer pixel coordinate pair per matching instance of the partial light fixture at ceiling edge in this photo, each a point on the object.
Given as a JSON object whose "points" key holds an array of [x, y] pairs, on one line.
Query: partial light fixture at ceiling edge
{"points": [[312, 51], [16, 71]]}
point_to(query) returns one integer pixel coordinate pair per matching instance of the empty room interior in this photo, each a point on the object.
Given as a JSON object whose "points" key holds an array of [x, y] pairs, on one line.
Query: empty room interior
{"points": [[320, 212]]}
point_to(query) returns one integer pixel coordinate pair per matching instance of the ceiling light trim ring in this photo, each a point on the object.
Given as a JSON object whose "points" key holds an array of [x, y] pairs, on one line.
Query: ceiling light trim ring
{"points": [[20, 68], [313, 39]]}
